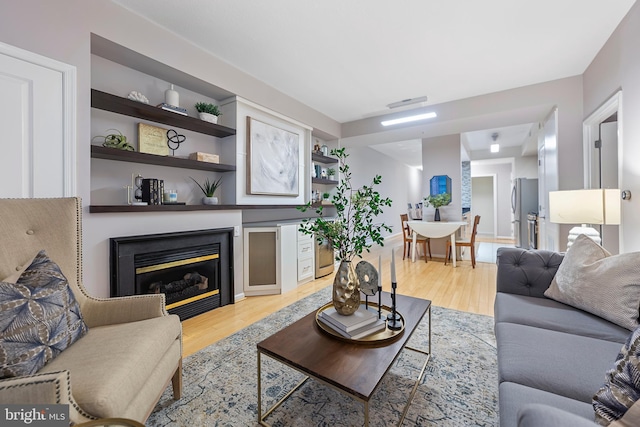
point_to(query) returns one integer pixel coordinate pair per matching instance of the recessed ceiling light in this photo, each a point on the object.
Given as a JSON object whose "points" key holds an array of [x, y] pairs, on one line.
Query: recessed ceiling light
{"points": [[409, 119], [495, 148]]}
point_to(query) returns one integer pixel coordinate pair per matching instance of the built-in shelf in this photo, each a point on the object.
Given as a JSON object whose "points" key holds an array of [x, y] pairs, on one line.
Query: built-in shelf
{"points": [[117, 104], [324, 205], [180, 208], [324, 181], [98, 152], [322, 159]]}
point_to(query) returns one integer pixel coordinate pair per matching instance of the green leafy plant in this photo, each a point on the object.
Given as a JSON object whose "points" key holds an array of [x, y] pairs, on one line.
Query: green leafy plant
{"points": [[115, 140], [325, 196], [353, 229], [331, 172], [205, 107], [208, 187], [438, 200]]}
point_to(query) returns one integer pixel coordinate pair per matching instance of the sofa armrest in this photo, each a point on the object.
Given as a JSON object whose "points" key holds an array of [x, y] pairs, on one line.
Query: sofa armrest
{"points": [[111, 311], [51, 387], [526, 272]]}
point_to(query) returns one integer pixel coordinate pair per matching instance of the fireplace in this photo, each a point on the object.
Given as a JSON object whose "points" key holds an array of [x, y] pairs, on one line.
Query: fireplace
{"points": [[194, 269]]}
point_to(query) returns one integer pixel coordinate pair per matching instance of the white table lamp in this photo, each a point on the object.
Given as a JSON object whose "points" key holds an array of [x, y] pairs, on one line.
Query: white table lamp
{"points": [[597, 206]]}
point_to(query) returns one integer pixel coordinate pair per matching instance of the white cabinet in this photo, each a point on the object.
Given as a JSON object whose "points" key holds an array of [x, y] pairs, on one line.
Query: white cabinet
{"points": [[269, 259], [305, 258]]}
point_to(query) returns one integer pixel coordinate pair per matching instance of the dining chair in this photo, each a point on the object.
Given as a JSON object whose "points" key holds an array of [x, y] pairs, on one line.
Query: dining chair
{"points": [[408, 239], [464, 242]]}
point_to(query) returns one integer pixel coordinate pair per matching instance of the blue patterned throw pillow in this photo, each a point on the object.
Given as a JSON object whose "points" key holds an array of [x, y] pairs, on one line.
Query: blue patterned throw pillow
{"points": [[39, 318], [622, 387]]}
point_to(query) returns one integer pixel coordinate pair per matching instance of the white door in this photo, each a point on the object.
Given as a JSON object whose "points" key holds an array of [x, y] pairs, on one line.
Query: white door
{"points": [[38, 125]]}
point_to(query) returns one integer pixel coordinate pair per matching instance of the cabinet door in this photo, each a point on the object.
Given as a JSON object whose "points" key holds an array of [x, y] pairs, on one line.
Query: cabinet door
{"points": [[261, 261]]}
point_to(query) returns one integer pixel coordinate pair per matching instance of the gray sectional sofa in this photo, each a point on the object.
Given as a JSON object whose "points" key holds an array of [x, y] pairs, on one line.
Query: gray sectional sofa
{"points": [[552, 358]]}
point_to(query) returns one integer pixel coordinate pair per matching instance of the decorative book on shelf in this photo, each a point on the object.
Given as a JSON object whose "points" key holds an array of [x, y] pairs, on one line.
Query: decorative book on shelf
{"points": [[355, 334], [173, 108], [350, 323]]}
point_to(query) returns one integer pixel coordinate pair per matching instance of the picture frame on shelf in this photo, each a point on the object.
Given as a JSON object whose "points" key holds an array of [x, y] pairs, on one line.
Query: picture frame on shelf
{"points": [[152, 140], [272, 159]]}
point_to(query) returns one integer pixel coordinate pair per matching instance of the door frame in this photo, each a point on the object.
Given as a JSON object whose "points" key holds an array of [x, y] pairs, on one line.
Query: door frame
{"points": [[590, 134], [69, 109]]}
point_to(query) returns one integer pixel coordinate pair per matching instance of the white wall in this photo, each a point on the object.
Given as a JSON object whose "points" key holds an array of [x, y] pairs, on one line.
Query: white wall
{"points": [[617, 66], [399, 182], [525, 167]]}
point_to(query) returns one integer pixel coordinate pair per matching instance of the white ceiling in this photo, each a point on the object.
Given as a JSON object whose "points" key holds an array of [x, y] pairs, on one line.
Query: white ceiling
{"points": [[348, 59]]}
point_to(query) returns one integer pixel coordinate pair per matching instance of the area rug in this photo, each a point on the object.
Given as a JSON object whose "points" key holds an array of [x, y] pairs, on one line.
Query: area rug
{"points": [[459, 388]]}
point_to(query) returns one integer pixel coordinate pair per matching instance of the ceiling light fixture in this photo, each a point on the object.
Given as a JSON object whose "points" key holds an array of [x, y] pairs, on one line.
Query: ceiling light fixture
{"points": [[409, 101], [409, 119], [495, 147]]}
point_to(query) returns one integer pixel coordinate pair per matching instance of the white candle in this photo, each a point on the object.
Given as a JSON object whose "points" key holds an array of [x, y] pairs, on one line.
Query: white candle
{"points": [[379, 270], [393, 266]]}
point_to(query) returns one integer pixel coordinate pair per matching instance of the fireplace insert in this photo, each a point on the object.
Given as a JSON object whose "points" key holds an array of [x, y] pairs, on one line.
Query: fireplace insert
{"points": [[193, 269]]}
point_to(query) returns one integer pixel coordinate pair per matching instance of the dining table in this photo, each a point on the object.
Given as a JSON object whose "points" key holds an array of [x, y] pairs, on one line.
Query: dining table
{"points": [[435, 230]]}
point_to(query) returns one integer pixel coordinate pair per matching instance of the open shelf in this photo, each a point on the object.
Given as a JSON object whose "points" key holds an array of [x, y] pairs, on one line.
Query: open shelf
{"points": [[324, 181], [322, 159], [98, 152], [116, 104], [180, 208]]}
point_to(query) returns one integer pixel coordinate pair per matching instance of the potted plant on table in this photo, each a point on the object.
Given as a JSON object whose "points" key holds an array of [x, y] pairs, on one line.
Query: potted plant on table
{"points": [[208, 112], [437, 202], [209, 190], [350, 232]]}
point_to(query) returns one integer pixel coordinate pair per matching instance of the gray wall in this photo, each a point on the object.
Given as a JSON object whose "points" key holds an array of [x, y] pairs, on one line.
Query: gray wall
{"points": [[617, 66], [62, 30], [441, 156]]}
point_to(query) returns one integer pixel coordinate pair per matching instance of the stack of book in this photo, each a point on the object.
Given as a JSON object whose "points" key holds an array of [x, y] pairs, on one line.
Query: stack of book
{"points": [[360, 324], [173, 108], [152, 190]]}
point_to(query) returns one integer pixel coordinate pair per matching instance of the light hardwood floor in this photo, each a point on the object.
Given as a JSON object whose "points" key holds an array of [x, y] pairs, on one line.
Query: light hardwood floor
{"points": [[462, 288]]}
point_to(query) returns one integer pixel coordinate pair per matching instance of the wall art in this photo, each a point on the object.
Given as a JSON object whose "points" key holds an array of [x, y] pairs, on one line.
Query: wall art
{"points": [[272, 159]]}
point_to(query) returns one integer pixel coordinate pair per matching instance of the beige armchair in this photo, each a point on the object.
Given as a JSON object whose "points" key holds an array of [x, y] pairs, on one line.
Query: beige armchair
{"points": [[133, 347]]}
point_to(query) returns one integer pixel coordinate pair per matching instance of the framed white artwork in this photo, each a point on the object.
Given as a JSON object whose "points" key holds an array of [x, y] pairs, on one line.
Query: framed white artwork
{"points": [[272, 159]]}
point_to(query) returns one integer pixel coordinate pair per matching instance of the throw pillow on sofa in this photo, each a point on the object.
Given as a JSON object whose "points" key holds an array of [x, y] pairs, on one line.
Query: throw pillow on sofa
{"points": [[593, 280], [39, 318], [621, 390]]}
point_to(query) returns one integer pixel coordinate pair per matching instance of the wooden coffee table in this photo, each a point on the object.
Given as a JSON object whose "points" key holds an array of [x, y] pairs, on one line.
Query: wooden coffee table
{"points": [[304, 347]]}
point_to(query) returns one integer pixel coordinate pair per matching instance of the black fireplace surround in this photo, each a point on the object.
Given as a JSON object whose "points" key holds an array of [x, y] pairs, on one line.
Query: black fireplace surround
{"points": [[194, 269]]}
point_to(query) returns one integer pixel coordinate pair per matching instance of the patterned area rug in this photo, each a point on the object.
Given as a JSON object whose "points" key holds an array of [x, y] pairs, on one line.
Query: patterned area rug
{"points": [[459, 388]]}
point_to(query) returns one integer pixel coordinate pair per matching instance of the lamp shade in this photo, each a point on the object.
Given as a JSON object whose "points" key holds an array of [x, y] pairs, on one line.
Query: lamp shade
{"points": [[598, 206]]}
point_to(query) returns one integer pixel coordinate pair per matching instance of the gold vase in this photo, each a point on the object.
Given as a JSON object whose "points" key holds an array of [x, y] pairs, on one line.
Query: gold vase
{"points": [[346, 289]]}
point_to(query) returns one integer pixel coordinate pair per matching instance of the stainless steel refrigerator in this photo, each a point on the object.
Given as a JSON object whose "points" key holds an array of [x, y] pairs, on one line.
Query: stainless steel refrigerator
{"points": [[524, 200]]}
